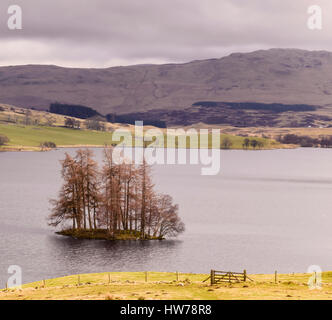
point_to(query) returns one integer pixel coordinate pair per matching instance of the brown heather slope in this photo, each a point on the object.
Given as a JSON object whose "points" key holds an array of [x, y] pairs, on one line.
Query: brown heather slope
{"points": [[278, 75]]}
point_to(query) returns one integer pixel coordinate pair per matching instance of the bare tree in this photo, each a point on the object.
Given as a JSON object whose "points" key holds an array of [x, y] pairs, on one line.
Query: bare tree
{"points": [[254, 143], [167, 221], [3, 139], [72, 123], [246, 143], [67, 205], [94, 124], [88, 178], [226, 143], [50, 120]]}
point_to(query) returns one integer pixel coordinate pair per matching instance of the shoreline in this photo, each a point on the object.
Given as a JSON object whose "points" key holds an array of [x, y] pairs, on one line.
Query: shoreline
{"points": [[102, 234], [30, 138], [37, 149]]}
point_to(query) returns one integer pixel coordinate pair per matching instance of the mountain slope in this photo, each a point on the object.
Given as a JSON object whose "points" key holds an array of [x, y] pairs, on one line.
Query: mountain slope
{"points": [[278, 75]]}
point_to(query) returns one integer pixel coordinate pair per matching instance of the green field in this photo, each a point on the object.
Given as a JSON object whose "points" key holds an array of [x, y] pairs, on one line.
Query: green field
{"points": [[166, 286], [32, 136], [23, 137]]}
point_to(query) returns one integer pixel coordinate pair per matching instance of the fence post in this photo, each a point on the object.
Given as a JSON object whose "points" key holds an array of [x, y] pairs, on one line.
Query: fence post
{"points": [[276, 277], [315, 277], [244, 275], [177, 276], [109, 278], [78, 280], [44, 284], [146, 276], [212, 277]]}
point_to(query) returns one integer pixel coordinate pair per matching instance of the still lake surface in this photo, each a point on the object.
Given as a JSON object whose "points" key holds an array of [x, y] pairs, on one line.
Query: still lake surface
{"points": [[265, 211]]}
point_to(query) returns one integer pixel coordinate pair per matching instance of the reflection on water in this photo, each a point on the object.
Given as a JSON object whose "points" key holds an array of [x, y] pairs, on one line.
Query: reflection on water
{"points": [[266, 210], [282, 180], [124, 255]]}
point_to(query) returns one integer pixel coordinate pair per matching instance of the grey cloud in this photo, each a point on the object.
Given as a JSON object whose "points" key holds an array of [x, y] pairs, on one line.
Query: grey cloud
{"points": [[106, 32]]}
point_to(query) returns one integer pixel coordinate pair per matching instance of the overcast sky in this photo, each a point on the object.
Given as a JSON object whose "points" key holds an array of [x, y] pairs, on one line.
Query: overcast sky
{"points": [[103, 33]]}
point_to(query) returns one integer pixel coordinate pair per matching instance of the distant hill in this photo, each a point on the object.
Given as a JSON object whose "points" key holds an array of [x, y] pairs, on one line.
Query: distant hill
{"points": [[283, 76]]}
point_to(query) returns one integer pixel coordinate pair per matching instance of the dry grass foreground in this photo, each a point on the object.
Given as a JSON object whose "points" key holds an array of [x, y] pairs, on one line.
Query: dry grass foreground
{"points": [[168, 286]]}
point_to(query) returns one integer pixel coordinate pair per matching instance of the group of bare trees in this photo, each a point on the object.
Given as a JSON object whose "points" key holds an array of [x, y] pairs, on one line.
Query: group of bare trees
{"points": [[252, 143], [72, 123], [306, 141], [3, 139], [118, 198]]}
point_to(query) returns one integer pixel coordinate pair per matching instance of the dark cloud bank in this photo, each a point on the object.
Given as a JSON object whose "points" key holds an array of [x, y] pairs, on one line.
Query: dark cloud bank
{"points": [[102, 33]]}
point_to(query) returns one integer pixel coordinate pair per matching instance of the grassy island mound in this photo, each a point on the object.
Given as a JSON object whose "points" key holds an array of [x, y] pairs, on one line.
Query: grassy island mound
{"points": [[103, 234]]}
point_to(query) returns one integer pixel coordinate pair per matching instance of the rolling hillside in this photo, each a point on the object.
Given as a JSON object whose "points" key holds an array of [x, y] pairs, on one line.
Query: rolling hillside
{"points": [[28, 129], [288, 76]]}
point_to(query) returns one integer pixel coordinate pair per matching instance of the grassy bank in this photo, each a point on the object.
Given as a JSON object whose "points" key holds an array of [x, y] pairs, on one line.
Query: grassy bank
{"points": [[269, 132], [23, 137], [159, 286], [101, 234]]}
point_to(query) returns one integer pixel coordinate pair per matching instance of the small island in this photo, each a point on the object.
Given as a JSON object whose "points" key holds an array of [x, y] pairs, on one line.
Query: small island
{"points": [[117, 202], [104, 234]]}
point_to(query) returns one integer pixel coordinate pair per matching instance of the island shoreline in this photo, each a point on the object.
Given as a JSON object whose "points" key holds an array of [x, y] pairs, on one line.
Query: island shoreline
{"points": [[103, 234]]}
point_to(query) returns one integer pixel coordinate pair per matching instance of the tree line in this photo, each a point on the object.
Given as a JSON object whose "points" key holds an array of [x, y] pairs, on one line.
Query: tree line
{"points": [[227, 143], [273, 107], [306, 141], [71, 110], [118, 198], [83, 112], [131, 118], [252, 143]]}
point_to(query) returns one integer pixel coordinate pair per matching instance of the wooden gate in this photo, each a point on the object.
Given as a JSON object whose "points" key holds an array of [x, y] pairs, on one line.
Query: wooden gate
{"points": [[227, 276]]}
